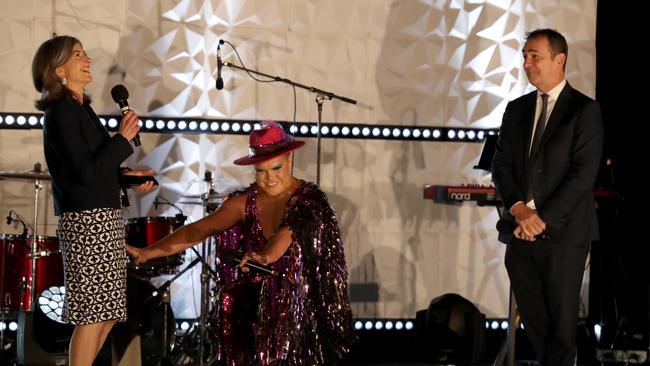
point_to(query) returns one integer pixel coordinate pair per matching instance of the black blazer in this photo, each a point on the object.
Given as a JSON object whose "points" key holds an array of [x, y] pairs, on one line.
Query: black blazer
{"points": [[83, 160], [564, 166]]}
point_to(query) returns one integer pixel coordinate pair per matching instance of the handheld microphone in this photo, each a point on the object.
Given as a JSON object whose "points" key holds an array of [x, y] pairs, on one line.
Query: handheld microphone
{"points": [[9, 219], [219, 65], [232, 257], [120, 96]]}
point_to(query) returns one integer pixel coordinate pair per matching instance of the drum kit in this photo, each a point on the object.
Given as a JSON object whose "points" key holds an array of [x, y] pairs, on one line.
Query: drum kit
{"points": [[31, 265], [28, 263]]}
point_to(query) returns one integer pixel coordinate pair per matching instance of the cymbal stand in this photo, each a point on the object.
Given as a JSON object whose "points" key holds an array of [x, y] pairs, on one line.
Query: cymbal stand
{"points": [[514, 320], [34, 250], [320, 97], [2, 330], [163, 292]]}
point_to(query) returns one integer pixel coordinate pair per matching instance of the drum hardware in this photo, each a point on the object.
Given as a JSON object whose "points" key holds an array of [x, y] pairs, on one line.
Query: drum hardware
{"points": [[12, 216], [210, 202], [42, 253], [161, 200], [163, 293], [37, 175], [16, 272], [142, 232], [205, 279], [33, 280], [3, 317]]}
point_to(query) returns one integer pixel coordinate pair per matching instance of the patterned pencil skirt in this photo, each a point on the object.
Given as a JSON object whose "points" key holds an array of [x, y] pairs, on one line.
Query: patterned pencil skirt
{"points": [[94, 262]]}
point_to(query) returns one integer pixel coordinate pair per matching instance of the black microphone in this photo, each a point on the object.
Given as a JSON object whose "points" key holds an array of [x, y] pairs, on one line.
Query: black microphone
{"points": [[219, 65], [508, 226], [155, 204], [9, 219], [120, 96], [233, 257]]}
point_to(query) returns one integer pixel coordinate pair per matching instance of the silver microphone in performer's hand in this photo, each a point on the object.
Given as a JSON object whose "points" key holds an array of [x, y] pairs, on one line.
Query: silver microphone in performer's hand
{"points": [[233, 257]]}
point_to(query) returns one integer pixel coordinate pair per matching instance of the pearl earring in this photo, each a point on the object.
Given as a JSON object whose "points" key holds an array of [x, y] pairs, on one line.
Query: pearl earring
{"points": [[64, 81]]}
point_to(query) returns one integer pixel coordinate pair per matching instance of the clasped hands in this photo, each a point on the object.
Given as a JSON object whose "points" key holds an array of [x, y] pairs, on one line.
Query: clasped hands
{"points": [[529, 224]]}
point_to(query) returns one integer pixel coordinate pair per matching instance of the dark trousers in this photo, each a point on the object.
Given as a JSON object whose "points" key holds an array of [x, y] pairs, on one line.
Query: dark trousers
{"points": [[546, 279]]}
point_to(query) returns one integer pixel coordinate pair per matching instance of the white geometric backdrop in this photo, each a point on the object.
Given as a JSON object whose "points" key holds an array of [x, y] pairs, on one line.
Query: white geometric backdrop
{"points": [[409, 62]]}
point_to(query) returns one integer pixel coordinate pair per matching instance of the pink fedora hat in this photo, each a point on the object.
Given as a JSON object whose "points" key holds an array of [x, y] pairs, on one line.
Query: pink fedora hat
{"points": [[267, 142]]}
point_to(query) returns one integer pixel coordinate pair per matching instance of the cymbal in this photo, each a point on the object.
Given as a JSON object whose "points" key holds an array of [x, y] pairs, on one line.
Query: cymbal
{"points": [[25, 175]]}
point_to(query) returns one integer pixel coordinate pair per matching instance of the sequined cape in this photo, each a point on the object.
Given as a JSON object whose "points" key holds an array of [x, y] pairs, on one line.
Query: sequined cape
{"points": [[303, 316]]}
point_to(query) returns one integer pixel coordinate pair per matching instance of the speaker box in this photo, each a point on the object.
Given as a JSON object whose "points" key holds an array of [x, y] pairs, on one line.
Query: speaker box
{"points": [[42, 341], [451, 330]]}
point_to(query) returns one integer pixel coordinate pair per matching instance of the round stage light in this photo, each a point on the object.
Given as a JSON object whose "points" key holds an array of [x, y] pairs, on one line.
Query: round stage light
{"points": [[51, 302], [185, 326]]}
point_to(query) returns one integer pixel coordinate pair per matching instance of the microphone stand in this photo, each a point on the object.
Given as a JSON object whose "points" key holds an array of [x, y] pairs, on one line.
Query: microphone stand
{"points": [[320, 98]]}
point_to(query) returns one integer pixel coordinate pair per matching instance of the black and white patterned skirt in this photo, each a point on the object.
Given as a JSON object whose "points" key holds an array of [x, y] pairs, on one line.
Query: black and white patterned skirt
{"points": [[94, 261]]}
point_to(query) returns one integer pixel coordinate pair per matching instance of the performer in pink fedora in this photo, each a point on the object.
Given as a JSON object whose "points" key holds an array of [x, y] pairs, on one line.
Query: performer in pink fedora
{"points": [[301, 316]]}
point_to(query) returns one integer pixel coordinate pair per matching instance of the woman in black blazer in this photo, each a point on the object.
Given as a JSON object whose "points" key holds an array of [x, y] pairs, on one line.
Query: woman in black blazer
{"points": [[84, 163]]}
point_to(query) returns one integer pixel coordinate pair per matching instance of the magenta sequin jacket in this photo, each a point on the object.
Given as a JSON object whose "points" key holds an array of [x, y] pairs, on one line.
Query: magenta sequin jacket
{"points": [[301, 317]]}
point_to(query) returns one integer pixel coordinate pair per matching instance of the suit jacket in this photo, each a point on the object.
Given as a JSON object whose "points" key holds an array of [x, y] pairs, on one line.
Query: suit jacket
{"points": [[83, 159], [564, 167]]}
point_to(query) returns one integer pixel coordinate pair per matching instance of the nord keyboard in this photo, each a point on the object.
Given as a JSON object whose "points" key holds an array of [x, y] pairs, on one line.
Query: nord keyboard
{"points": [[483, 195], [447, 194]]}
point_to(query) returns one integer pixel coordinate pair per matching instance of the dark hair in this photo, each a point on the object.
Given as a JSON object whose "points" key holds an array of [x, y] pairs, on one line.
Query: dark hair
{"points": [[557, 42], [50, 55]]}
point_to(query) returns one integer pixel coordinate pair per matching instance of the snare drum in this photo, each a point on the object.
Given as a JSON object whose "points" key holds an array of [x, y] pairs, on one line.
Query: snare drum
{"points": [[142, 232], [16, 269]]}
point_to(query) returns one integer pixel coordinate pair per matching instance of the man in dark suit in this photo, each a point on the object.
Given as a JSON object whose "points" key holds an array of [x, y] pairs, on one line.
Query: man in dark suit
{"points": [[544, 167]]}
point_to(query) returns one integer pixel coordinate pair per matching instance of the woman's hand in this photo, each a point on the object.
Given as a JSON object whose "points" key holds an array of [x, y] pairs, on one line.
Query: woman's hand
{"points": [[144, 187], [129, 126], [139, 255], [252, 256]]}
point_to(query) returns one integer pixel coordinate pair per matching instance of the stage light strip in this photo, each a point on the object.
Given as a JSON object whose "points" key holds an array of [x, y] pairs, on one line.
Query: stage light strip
{"points": [[373, 324], [299, 129], [384, 324], [409, 324]]}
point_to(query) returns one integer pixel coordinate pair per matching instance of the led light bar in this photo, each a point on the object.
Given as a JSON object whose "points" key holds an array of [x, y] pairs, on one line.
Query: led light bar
{"points": [[299, 129]]}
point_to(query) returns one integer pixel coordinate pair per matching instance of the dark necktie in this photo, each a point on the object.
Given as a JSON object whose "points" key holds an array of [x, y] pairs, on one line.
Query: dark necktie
{"points": [[539, 128], [537, 137]]}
